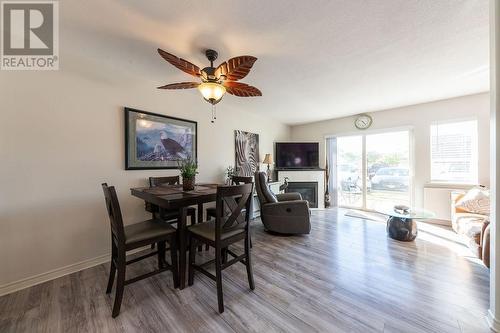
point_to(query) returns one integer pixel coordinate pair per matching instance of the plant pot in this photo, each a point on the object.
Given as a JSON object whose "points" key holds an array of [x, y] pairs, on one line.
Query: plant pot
{"points": [[188, 184]]}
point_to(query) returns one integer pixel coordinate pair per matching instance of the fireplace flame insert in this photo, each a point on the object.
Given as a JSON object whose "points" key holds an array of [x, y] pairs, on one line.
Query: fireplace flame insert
{"points": [[308, 191]]}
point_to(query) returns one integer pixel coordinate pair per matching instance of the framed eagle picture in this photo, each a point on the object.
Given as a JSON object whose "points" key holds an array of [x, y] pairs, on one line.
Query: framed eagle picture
{"points": [[155, 141], [246, 153]]}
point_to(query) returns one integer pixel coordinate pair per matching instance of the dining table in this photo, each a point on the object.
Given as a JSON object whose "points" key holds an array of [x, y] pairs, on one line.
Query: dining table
{"points": [[174, 197]]}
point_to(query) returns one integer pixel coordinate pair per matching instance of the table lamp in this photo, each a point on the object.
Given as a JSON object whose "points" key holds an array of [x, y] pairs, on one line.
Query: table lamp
{"points": [[268, 159]]}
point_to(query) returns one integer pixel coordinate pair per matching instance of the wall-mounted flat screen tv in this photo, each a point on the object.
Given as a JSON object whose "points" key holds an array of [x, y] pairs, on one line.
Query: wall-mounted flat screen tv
{"points": [[297, 155]]}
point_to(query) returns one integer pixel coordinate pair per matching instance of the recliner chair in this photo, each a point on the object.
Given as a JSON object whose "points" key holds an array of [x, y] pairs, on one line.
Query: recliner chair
{"points": [[284, 213]]}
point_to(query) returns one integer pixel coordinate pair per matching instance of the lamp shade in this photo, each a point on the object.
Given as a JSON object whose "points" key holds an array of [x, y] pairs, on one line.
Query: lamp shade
{"points": [[268, 159], [212, 92]]}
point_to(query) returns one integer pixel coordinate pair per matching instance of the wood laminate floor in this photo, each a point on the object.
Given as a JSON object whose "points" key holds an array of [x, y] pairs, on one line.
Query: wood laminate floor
{"points": [[346, 276]]}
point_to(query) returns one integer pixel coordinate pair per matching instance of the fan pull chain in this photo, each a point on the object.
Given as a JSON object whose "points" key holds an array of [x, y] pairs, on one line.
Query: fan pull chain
{"points": [[214, 113]]}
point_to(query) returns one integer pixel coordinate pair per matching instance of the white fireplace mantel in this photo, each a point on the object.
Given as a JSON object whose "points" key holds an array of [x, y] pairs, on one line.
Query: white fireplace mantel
{"points": [[305, 175]]}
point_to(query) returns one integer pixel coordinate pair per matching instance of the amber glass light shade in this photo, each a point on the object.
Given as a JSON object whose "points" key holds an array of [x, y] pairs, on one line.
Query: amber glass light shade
{"points": [[212, 92]]}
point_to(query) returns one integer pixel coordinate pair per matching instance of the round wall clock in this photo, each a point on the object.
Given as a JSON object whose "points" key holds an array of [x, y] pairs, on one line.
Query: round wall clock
{"points": [[363, 121]]}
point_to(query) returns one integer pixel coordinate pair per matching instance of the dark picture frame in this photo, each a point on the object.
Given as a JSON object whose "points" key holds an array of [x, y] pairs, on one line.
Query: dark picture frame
{"points": [[157, 141], [246, 153]]}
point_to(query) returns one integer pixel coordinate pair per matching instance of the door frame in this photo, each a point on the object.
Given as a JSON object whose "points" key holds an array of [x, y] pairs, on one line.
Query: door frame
{"points": [[364, 162]]}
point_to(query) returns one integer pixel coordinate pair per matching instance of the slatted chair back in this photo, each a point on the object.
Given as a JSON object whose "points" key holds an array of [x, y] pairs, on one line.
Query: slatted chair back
{"points": [[169, 180], [114, 213], [238, 180], [232, 208]]}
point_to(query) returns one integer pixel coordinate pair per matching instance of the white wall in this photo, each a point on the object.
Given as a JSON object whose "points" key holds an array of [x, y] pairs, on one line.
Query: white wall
{"points": [[62, 135], [419, 117]]}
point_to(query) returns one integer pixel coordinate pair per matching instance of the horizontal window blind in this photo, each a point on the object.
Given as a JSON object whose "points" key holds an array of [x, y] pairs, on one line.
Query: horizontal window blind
{"points": [[454, 149]]}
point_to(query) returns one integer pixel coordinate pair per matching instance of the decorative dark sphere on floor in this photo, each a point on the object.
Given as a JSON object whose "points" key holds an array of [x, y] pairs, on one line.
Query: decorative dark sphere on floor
{"points": [[402, 229]]}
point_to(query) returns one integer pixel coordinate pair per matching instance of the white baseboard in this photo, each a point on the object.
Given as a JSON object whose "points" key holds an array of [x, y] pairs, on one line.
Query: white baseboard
{"points": [[493, 323], [57, 273], [52, 274]]}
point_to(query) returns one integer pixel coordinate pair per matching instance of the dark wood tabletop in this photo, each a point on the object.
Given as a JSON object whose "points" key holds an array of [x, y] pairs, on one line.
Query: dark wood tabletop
{"points": [[173, 197]]}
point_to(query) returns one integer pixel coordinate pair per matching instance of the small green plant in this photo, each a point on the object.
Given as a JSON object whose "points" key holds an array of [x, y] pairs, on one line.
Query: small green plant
{"points": [[188, 168], [230, 171]]}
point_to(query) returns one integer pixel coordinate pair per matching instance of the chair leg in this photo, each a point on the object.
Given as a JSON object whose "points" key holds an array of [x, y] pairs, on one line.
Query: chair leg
{"points": [[224, 254], [173, 259], [248, 262], [120, 284], [154, 217], [194, 221], [218, 278], [200, 247], [161, 254], [192, 218], [192, 258], [200, 220], [112, 270]]}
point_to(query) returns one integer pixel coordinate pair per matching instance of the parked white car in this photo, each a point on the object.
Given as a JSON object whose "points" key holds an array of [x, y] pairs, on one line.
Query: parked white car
{"points": [[392, 179]]}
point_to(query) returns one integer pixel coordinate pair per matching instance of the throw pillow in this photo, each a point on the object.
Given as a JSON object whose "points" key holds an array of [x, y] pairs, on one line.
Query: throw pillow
{"points": [[476, 200]]}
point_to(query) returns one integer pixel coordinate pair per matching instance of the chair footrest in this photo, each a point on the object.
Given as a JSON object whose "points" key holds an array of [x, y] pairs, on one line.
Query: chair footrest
{"points": [[205, 272], [208, 263], [234, 255], [235, 260], [146, 275], [131, 261]]}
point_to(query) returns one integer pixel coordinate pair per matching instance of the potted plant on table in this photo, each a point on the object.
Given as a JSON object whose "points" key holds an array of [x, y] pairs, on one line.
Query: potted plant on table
{"points": [[230, 172], [188, 170]]}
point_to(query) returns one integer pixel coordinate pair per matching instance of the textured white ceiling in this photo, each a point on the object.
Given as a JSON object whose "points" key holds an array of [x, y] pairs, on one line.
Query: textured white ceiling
{"points": [[316, 59]]}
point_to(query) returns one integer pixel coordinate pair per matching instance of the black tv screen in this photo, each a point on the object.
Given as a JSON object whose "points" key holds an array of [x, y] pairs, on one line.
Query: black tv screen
{"points": [[297, 155]]}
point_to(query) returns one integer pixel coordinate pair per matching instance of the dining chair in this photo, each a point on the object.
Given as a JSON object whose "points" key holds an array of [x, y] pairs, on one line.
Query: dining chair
{"points": [[230, 226], [130, 237], [172, 215], [235, 180]]}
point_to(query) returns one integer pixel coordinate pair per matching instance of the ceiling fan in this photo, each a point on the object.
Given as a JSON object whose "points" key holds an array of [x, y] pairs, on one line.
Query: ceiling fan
{"points": [[215, 81]]}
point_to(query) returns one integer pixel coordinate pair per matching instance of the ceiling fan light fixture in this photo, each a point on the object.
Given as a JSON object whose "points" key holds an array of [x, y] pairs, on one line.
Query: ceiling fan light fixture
{"points": [[215, 81], [212, 92]]}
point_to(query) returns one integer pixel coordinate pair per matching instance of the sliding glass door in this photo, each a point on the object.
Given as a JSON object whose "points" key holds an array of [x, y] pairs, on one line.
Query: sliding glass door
{"points": [[350, 171], [388, 169], [374, 170]]}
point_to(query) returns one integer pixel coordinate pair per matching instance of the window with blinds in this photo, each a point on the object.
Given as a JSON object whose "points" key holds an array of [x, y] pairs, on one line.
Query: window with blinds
{"points": [[454, 156]]}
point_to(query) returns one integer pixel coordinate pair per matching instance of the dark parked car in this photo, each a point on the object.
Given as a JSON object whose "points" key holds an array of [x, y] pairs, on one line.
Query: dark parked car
{"points": [[392, 179]]}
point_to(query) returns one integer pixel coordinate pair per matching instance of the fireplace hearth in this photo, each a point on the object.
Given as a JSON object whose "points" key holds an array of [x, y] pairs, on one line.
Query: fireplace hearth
{"points": [[308, 190]]}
